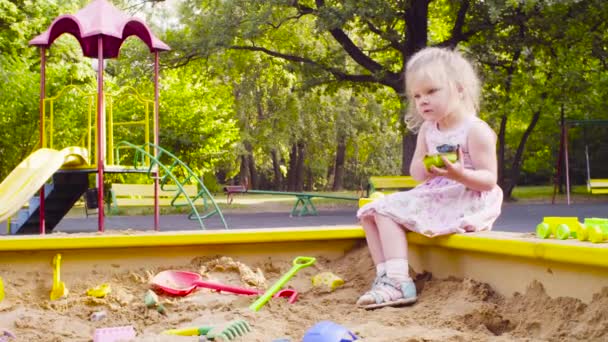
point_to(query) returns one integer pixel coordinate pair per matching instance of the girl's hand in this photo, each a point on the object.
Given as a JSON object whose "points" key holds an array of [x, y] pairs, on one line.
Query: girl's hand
{"points": [[452, 171]]}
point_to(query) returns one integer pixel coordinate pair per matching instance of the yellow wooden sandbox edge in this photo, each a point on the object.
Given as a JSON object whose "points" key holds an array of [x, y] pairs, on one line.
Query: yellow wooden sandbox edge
{"points": [[500, 243]]}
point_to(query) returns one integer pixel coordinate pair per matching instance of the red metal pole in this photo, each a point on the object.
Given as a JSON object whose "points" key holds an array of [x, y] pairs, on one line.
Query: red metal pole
{"points": [[156, 140], [567, 164], [100, 135], [42, 95], [558, 166]]}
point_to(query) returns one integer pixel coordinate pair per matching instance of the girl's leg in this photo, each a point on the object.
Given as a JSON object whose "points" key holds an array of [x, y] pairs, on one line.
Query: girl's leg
{"points": [[397, 288], [373, 239], [394, 245], [375, 248]]}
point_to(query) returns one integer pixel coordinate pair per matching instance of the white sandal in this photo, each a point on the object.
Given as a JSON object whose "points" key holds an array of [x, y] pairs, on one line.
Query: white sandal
{"points": [[407, 289]]}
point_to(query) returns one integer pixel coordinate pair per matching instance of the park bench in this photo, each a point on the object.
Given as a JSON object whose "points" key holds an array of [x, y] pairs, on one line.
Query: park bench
{"points": [[303, 205], [598, 186], [390, 183], [142, 195]]}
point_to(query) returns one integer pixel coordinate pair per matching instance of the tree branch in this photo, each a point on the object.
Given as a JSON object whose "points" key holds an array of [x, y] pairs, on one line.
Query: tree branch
{"points": [[395, 44], [458, 35], [337, 73], [353, 50]]}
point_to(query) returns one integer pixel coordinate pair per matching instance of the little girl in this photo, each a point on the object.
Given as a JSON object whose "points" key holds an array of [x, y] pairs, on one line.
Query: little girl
{"points": [[443, 91]]}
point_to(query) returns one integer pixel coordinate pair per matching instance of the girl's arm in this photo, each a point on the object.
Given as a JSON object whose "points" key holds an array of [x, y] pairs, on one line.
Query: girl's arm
{"points": [[417, 169], [482, 150]]}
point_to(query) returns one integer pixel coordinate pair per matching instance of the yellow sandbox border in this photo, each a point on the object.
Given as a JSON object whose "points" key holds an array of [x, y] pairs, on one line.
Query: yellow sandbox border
{"points": [[501, 243]]}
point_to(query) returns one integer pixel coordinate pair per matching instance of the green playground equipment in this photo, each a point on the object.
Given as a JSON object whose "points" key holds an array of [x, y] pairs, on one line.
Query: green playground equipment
{"points": [[170, 181]]}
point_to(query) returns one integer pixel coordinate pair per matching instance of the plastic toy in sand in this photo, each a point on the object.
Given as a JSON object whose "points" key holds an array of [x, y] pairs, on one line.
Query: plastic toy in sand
{"points": [[152, 302], [298, 263], [226, 332], [99, 291], [58, 290], [1, 289], [114, 334], [327, 280], [327, 331], [182, 283], [6, 336]]}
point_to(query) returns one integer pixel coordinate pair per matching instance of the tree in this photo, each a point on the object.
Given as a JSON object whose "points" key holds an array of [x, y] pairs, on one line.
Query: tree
{"points": [[349, 42], [20, 21], [530, 63]]}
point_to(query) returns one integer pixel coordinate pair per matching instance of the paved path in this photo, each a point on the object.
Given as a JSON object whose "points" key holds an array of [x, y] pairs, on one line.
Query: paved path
{"points": [[514, 218]]}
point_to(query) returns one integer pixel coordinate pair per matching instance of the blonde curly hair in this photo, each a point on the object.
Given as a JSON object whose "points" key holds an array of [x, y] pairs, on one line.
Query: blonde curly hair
{"points": [[441, 66]]}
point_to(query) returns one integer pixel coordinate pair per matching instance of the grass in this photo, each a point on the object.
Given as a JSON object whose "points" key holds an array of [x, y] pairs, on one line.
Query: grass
{"points": [[544, 194]]}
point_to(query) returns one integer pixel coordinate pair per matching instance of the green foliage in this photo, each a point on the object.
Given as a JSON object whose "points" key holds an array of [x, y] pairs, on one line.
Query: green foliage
{"points": [[18, 111], [251, 78], [20, 21]]}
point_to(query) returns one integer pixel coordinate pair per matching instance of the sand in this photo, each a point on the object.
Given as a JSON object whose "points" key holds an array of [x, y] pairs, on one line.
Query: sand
{"points": [[447, 310]]}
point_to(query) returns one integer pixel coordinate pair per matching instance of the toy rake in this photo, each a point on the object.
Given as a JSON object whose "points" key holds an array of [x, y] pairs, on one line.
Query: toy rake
{"points": [[223, 332]]}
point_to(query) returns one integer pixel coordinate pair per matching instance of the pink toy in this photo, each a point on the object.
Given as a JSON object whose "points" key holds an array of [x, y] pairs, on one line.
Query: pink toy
{"points": [[182, 283], [6, 335], [114, 334]]}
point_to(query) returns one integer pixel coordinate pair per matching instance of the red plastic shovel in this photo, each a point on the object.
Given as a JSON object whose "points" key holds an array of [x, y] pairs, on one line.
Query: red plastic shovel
{"points": [[182, 283]]}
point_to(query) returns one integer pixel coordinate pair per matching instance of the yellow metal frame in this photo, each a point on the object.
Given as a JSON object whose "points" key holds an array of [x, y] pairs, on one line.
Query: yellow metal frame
{"points": [[508, 262], [162, 239], [511, 244], [116, 97], [48, 129], [111, 99]]}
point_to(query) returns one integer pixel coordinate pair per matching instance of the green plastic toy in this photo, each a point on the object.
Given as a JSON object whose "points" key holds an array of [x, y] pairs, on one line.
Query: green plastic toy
{"points": [[593, 229], [298, 263], [225, 332], [559, 227], [596, 229], [435, 159]]}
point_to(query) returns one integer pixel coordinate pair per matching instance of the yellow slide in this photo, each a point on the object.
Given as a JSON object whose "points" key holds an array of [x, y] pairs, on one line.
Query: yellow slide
{"points": [[31, 174]]}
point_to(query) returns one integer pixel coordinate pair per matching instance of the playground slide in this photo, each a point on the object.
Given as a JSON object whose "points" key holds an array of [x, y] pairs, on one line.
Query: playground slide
{"points": [[31, 174]]}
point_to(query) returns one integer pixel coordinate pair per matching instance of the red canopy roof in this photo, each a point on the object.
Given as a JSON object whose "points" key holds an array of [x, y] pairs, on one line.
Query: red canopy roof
{"points": [[100, 18]]}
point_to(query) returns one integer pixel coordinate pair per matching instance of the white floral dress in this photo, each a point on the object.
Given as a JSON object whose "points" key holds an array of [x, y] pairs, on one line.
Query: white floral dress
{"points": [[440, 205]]}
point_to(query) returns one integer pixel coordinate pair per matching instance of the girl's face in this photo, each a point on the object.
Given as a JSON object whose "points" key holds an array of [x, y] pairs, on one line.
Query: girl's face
{"points": [[433, 101]]}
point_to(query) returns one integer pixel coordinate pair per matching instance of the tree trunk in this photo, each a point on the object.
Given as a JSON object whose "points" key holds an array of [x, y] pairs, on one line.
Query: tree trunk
{"points": [[518, 159], [244, 171], [291, 173], [308, 185], [502, 144], [301, 153], [416, 18], [276, 169], [409, 146], [339, 164], [253, 174], [417, 37], [329, 177]]}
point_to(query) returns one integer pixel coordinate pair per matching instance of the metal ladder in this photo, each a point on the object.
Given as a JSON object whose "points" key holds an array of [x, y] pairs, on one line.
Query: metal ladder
{"points": [[170, 181]]}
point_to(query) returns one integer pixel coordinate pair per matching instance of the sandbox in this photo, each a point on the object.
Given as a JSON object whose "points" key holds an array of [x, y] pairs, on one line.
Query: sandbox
{"points": [[460, 299]]}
